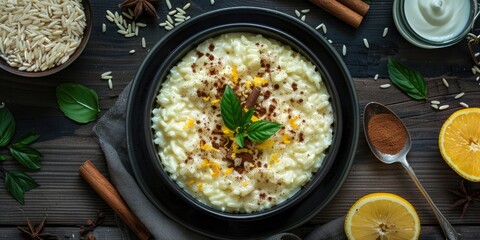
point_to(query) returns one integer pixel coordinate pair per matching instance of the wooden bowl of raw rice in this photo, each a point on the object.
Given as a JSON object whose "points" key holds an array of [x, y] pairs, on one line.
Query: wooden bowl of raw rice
{"points": [[39, 38]]}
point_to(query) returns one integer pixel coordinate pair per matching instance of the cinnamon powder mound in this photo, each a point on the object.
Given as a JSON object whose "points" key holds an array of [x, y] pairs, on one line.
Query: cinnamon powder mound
{"points": [[386, 133]]}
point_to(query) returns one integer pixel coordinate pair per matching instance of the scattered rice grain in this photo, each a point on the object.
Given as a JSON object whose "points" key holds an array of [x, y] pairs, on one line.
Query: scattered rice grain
{"points": [[443, 107], [365, 42], [129, 35], [212, 2], [144, 44], [162, 24], [106, 77], [186, 6], [2, 105], [297, 13], [476, 69], [109, 18], [172, 12], [168, 28], [140, 24], [385, 31], [473, 70], [435, 102], [179, 16], [109, 13], [169, 19], [386, 85], [319, 26], [375, 77], [123, 32], [344, 50], [305, 10], [330, 41], [324, 29], [445, 82], [169, 5], [181, 11], [104, 27], [303, 18], [477, 54], [459, 95], [464, 105], [478, 78], [106, 73], [137, 29], [435, 106], [132, 51], [110, 84]]}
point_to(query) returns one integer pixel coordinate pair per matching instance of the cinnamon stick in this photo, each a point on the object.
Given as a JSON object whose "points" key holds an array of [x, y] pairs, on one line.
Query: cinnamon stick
{"points": [[110, 195], [252, 98], [358, 6], [340, 11]]}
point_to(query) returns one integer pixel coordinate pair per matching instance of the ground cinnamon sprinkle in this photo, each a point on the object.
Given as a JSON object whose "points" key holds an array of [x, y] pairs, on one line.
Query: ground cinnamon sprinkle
{"points": [[386, 133]]}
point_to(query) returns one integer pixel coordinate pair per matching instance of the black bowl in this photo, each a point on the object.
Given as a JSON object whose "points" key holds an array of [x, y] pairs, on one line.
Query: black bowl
{"points": [[180, 205]]}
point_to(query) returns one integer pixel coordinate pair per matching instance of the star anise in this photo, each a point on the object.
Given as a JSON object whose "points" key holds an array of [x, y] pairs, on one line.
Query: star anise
{"points": [[35, 231], [139, 6], [86, 231], [467, 196]]}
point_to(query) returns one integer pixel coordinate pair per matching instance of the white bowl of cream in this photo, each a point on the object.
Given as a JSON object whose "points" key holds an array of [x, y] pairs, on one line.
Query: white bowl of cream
{"points": [[434, 23]]}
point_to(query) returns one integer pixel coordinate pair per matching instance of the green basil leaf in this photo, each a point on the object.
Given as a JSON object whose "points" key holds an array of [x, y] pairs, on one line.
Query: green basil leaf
{"points": [[240, 138], [27, 156], [260, 131], [407, 79], [78, 102], [18, 183], [28, 138], [245, 120], [7, 126], [230, 109]]}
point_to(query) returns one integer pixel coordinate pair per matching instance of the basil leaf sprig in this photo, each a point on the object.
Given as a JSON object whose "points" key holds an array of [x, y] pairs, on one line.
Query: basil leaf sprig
{"points": [[78, 102], [407, 79], [18, 182], [240, 123]]}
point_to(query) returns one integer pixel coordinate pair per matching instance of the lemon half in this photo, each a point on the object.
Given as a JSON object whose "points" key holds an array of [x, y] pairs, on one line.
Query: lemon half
{"points": [[459, 143], [382, 216]]}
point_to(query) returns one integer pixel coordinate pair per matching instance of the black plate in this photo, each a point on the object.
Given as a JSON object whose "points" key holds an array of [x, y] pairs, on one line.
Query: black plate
{"points": [[146, 84]]}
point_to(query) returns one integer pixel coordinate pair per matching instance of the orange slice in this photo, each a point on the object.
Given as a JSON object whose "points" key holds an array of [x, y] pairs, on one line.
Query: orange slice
{"points": [[459, 143], [382, 216]]}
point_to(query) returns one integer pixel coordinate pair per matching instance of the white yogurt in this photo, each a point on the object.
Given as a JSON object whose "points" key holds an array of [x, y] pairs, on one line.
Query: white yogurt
{"points": [[437, 20]]}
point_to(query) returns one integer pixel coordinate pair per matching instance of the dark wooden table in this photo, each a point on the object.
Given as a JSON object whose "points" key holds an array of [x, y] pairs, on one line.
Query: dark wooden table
{"points": [[67, 201]]}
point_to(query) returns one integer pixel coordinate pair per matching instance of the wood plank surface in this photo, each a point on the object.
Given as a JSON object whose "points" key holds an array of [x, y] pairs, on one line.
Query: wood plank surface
{"points": [[68, 201]]}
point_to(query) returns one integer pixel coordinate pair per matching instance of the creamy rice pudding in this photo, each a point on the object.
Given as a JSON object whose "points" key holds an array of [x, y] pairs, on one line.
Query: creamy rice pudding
{"points": [[200, 153]]}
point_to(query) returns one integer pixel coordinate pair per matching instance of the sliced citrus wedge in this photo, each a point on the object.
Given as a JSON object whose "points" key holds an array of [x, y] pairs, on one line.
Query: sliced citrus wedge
{"points": [[382, 216], [459, 143]]}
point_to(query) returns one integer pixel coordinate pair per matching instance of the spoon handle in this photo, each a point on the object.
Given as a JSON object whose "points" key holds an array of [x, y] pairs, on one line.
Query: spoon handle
{"points": [[448, 230]]}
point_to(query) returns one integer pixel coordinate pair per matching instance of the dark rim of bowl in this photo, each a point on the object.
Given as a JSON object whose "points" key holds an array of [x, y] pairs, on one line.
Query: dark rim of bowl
{"points": [[297, 46], [86, 36]]}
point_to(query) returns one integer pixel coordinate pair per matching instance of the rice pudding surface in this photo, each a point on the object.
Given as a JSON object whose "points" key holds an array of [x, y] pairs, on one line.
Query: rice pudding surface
{"points": [[201, 154]]}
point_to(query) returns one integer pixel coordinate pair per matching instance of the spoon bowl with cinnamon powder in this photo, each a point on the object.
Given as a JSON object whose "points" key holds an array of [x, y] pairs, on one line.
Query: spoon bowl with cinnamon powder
{"points": [[389, 140], [386, 135]]}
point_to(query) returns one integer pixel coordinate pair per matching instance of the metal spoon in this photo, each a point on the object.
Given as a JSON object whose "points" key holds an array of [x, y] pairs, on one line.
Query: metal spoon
{"points": [[374, 108]]}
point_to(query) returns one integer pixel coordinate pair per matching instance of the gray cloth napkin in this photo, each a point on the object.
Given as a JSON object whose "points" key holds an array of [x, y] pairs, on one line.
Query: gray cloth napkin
{"points": [[110, 131]]}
